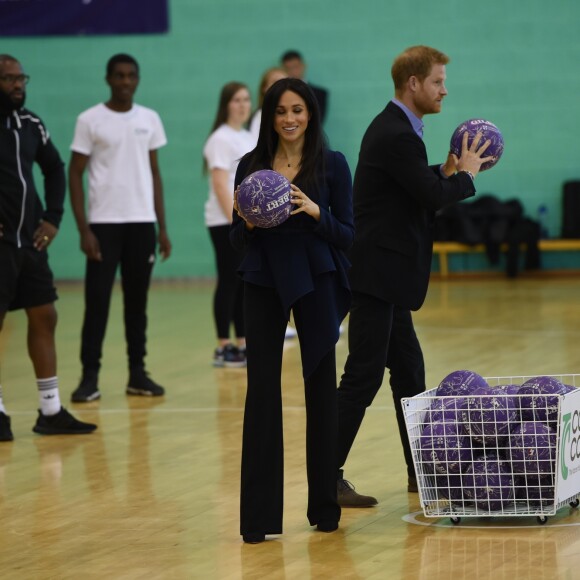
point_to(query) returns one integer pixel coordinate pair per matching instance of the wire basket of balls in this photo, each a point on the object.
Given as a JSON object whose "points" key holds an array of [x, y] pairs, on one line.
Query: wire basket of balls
{"points": [[496, 446]]}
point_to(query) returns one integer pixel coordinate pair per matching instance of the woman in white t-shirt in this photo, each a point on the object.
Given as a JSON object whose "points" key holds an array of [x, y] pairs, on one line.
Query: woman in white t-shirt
{"points": [[227, 143]]}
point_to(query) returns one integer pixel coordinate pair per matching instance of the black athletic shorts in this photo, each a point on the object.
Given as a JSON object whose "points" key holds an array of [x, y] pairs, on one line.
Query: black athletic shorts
{"points": [[25, 278]]}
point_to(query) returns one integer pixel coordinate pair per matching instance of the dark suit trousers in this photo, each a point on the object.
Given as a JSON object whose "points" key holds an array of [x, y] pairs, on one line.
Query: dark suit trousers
{"points": [[261, 508], [379, 335]]}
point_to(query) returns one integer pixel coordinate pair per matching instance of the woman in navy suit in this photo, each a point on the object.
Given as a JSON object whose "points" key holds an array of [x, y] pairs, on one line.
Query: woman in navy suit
{"points": [[298, 266]]}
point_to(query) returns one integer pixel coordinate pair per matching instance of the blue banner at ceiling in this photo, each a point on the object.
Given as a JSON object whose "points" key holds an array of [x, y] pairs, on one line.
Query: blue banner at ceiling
{"points": [[82, 17]]}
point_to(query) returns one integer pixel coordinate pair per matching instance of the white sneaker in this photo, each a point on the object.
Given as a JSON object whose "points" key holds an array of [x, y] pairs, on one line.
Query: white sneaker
{"points": [[290, 332]]}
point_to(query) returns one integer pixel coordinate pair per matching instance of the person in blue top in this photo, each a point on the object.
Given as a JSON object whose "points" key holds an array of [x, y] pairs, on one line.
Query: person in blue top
{"points": [[298, 266]]}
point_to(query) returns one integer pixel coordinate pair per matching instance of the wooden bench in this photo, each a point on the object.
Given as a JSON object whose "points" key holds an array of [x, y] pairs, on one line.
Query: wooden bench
{"points": [[443, 249]]}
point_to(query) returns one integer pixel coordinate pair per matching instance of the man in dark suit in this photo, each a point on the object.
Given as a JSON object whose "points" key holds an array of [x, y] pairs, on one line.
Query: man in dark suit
{"points": [[396, 195], [295, 67]]}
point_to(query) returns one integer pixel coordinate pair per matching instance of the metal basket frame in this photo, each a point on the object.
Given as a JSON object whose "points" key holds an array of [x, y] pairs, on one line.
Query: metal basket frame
{"points": [[434, 496]]}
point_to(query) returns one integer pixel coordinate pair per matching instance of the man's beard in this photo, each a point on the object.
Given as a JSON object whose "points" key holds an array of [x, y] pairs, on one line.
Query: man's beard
{"points": [[7, 105]]}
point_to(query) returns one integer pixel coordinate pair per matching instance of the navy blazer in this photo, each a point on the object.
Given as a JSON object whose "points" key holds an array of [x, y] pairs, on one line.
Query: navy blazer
{"points": [[396, 195], [290, 256]]}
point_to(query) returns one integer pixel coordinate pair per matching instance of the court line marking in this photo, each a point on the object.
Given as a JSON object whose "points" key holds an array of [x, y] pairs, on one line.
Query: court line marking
{"points": [[172, 410], [412, 519], [495, 331]]}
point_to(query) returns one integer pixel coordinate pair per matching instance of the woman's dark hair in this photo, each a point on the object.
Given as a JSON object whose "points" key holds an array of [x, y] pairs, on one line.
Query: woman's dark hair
{"points": [[262, 156], [227, 94]]}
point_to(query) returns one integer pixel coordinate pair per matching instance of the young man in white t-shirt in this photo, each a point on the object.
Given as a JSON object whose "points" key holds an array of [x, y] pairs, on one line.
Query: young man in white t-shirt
{"points": [[117, 141]]}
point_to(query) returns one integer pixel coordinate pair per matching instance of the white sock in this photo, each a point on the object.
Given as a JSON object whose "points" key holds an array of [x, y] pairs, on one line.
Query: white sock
{"points": [[2, 409], [48, 396]]}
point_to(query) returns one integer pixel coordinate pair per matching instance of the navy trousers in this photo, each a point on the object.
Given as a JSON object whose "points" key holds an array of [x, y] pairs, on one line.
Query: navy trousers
{"points": [[262, 495]]}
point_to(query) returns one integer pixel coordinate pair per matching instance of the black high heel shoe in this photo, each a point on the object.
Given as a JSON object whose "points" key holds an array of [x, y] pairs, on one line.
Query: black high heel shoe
{"points": [[253, 538], [327, 527]]}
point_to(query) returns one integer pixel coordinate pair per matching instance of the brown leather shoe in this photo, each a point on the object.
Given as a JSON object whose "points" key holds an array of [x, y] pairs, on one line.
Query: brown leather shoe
{"points": [[412, 486], [348, 497]]}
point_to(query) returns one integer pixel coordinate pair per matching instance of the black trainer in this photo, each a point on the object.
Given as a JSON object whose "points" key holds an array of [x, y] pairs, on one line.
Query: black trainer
{"points": [[254, 538], [140, 384], [327, 526], [218, 357], [5, 431], [234, 357], [63, 423], [88, 389]]}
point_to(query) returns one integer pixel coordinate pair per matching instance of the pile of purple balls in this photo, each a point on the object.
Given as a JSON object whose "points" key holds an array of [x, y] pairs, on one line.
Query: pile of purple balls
{"points": [[485, 447]]}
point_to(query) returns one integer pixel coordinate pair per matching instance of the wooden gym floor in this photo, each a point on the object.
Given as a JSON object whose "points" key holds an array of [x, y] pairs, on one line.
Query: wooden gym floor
{"points": [[154, 492]]}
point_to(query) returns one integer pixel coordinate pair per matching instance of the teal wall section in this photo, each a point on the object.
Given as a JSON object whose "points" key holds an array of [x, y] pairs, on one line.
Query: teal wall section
{"points": [[514, 62]]}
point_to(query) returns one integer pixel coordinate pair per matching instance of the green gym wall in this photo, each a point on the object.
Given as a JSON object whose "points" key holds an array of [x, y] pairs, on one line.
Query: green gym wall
{"points": [[514, 62]]}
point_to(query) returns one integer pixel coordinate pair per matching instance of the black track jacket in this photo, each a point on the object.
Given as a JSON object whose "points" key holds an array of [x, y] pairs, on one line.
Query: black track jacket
{"points": [[24, 140]]}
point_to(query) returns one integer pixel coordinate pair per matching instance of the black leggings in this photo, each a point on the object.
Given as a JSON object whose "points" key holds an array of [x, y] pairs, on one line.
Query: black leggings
{"points": [[229, 292]]}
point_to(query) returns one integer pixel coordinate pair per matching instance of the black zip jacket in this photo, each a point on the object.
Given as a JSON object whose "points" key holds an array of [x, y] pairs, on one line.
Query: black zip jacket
{"points": [[24, 140]]}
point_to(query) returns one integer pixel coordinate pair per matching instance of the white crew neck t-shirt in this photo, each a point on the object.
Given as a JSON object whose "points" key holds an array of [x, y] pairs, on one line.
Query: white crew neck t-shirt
{"points": [[223, 150], [118, 146]]}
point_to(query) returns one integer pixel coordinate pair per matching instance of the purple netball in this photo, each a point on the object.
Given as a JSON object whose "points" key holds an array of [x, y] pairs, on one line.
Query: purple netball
{"points": [[508, 389], [513, 401], [488, 416], [537, 496], [488, 130], [264, 198], [540, 398], [450, 487], [535, 490], [445, 409], [460, 383], [489, 482], [532, 448], [445, 448]]}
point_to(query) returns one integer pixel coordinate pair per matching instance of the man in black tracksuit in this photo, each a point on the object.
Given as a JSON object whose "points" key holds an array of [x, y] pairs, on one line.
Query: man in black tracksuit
{"points": [[26, 231]]}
